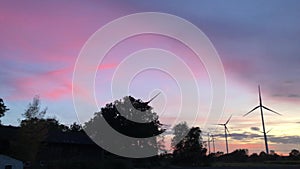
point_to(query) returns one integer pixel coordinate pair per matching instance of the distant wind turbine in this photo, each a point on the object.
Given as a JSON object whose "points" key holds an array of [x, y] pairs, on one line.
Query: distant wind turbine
{"points": [[210, 138], [213, 141], [261, 106], [208, 142], [226, 130]]}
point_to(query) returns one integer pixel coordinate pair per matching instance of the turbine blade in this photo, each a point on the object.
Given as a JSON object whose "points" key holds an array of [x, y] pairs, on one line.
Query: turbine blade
{"points": [[227, 131], [269, 130], [271, 110], [153, 98], [228, 119], [251, 111], [259, 92]]}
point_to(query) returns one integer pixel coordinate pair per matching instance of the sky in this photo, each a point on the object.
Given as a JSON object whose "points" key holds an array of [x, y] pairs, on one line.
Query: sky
{"points": [[257, 42]]}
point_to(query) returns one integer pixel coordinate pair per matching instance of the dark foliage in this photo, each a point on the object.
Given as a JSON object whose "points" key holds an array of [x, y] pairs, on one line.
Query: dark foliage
{"points": [[180, 131], [75, 127], [32, 135], [190, 150], [140, 111], [33, 131], [294, 154], [3, 108], [34, 109], [122, 116], [239, 155]]}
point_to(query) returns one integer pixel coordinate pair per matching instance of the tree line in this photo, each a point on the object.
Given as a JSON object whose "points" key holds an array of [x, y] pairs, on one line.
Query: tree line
{"points": [[187, 144]]}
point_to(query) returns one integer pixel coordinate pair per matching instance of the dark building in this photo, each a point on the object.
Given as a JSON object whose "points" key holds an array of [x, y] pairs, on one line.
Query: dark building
{"points": [[71, 145], [57, 146]]}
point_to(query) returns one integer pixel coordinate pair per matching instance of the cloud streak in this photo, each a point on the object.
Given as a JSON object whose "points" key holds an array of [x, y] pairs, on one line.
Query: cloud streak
{"points": [[250, 137]]}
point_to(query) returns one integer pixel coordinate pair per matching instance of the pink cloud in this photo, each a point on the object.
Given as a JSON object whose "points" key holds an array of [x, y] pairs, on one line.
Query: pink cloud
{"points": [[107, 66], [41, 35], [52, 85], [49, 85]]}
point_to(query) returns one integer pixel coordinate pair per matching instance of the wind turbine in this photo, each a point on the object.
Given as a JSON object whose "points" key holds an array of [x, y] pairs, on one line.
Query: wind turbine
{"points": [[208, 142], [226, 130], [261, 106], [213, 141], [211, 138]]}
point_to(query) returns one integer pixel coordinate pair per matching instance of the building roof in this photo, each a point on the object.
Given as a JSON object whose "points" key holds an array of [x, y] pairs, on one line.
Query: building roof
{"points": [[55, 136]]}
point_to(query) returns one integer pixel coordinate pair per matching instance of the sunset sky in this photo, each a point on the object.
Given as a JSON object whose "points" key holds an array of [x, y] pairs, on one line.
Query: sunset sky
{"points": [[257, 42]]}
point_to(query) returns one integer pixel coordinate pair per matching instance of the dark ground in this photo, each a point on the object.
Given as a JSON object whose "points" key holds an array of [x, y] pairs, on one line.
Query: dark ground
{"points": [[243, 167]]}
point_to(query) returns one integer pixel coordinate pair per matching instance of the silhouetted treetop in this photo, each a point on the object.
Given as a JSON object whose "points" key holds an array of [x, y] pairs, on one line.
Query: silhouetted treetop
{"points": [[190, 149], [120, 114], [192, 142], [294, 153], [34, 109], [75, 127], [126, 116], [180, 131], [3, 108]]}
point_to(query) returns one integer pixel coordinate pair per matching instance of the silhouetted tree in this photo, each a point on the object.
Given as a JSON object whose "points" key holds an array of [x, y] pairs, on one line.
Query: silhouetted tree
{"points": [[34, 130], [33, 110], [262, 154], [265, 157], [254, 157], [294, 154], [180, 131], [32, 135], [239, 155], [122, 122], [3, 108], [190, 150]]}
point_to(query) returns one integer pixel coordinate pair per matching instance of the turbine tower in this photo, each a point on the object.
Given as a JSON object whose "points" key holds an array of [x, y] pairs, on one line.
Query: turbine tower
{"points": [[213, 141], [261, 106], [208, 143], [226, 130]]}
